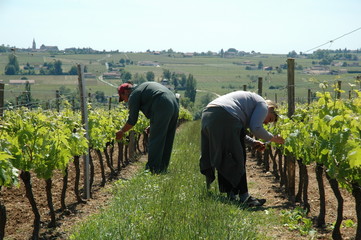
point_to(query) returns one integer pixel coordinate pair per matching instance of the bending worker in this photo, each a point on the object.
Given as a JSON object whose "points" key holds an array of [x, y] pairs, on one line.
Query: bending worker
{"points": [[223, 138], [159, 105]]}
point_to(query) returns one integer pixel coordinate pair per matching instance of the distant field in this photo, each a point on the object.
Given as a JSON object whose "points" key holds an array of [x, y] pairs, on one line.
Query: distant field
{"points": [[214, 74]]}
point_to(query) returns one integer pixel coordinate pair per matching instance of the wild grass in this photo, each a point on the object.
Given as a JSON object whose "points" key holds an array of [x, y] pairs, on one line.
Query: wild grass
{"points": [[175, 205]]}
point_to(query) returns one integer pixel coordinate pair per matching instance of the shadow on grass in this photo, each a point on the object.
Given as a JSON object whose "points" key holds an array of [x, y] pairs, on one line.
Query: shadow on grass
{"points": [[224, 199]]}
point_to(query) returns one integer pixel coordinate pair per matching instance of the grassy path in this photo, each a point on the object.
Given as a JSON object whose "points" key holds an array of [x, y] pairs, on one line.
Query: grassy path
{"points": [[175, 205]]}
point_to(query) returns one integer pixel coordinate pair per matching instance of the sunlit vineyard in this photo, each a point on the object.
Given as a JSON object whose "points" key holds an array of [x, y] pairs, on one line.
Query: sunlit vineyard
{"points": [[327, 132], [38, 143]]}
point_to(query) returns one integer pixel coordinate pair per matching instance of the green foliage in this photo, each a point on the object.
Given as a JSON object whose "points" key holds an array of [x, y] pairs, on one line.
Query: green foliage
{"points": [[57, 68], [100, 96], [150, 76], [44, 141], [191, 88], [73, 70], [10, 70], [292, 54], [166, 74], [138, 78], [184, 115], [12, 67], [296, 219], [327, 132], [126, 76], [186, 103], [348, 223], [206, 99], [37, 142], [8, 174], [183, 80], [54, 68], [4, 49]]}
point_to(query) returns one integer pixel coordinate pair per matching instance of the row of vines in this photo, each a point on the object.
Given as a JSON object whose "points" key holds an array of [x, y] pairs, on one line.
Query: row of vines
{"points": [[40, 143], [325, 133]]}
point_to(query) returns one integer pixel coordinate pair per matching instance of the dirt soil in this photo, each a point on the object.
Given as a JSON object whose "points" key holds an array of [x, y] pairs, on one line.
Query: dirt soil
{"points": [[262, 185]]}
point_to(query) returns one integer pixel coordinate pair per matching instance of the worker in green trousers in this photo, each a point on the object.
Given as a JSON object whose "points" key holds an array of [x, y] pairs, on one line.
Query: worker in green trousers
{"points": [[159, 105]]}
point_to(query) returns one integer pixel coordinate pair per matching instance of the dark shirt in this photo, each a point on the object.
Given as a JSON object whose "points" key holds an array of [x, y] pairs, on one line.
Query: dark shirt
{"points": [[141, 99]]}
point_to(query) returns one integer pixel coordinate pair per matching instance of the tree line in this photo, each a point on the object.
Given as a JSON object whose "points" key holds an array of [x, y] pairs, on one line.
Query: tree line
{"points": [[48, 68]]}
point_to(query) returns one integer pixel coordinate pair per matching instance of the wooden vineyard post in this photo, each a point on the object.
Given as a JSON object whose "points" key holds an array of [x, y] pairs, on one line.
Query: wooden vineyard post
{"points": [[260, 86], [73, 104], [259, 154], [291, 163], [84, 113], [1, 99], [309, 96], [132, 145], [110, 104], [338, 89], [245, 87], [57, 96]]}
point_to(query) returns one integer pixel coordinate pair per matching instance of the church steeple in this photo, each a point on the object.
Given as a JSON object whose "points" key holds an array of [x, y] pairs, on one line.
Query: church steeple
{"points": [[34, 44]]}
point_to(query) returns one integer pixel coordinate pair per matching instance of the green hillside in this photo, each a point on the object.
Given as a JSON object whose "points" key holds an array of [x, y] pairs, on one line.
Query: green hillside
{"points": [[212, 73]]}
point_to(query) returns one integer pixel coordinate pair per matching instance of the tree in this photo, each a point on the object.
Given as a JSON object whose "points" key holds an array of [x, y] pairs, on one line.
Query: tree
{"points": [[292, 54], [206, 99], [3, 48], [25, 99], [57, 68], [183, 80], [175, 80], [150, 76], [232, 50], [186, 103], [166, 74], [122, 62], [320, 54], [138, 78], [73, 70], [10, 70], [325, 61], [209, 53], [100, 96], [126, 76], [191, 90], [12, 67]]}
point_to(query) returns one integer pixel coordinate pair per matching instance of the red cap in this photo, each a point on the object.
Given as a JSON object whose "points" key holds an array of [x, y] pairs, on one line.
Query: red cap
{"points": [[122, 88]]}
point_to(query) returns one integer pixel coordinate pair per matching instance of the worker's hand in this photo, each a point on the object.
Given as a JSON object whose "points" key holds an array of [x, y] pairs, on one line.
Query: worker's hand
{"points": [[259, 146], [277, 139], [119, 135]]}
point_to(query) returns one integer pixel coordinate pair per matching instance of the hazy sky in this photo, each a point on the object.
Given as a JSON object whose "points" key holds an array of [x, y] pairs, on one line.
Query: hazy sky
{"points": [[266, 26]]}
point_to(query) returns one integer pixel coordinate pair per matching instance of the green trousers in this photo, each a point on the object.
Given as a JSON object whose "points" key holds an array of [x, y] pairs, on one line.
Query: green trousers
{"points": [[163, 125]]}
